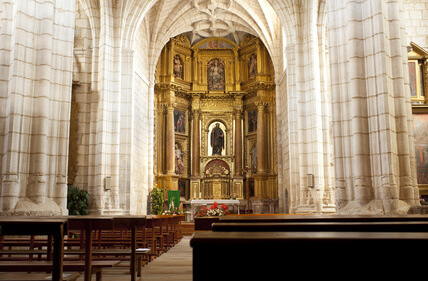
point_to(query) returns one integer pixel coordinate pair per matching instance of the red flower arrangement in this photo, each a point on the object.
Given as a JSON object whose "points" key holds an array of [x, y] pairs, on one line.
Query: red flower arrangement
{"points": [[214, 210]]}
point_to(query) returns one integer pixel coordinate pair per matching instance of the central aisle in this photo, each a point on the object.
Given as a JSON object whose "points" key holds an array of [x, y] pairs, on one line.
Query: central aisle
{"points": [[176, 264]]}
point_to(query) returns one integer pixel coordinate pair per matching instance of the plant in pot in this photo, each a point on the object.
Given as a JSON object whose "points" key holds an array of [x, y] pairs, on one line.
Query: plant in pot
{"points": [[156, 198], [77, 201]]}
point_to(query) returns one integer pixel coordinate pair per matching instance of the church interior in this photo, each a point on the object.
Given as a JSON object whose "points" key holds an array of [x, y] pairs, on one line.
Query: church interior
{"points": [[210, 118]]}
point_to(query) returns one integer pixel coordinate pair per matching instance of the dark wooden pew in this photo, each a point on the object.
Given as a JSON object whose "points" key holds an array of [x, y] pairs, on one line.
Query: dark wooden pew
{"points": [[384, 226], [308, 255], [52, 227], [46, 266], [18, 276], [102, 242], [319, 218]]}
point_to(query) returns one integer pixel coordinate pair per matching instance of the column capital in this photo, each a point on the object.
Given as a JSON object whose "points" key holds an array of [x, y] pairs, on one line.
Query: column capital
{"points": [[196, 113], [169, 105], [261, 104], [237, 112]]}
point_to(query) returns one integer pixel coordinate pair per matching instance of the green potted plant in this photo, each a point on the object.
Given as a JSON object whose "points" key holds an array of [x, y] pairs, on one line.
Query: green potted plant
{"points": [[156, 198], [77, 201]]}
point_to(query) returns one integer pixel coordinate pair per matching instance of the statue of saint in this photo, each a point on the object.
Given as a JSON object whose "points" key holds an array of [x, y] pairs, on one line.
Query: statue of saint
{"points": [[217, 140], [179, 165], [178, 67]]}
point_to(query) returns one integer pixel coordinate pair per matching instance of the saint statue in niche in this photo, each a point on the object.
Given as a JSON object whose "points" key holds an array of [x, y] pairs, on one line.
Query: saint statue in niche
{"points": [[216, 75], [217, 139], [252, 66], [179, 165], [178, 67]]}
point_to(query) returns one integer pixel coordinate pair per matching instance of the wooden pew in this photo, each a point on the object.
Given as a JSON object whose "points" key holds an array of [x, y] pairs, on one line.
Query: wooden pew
{"points": [[319, 218], [46, 266], [53, 227], [384, 226], [109, 238], [131, 223], [259, 255], [18, 276], [90, 224], [263, 246]]}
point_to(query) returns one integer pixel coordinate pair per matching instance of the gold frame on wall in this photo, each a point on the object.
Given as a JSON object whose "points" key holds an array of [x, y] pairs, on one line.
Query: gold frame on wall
{"points": [[420, 109]]}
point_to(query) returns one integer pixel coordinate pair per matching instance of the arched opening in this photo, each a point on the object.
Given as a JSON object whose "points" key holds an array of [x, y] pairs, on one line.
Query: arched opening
{"points": [[215, 100]]}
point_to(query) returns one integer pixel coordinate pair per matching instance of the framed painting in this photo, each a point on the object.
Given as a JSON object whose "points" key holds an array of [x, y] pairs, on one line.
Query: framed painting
{"points": [[180, 121], [420, 127], [252, 121], [413, 78], [215, 75]]}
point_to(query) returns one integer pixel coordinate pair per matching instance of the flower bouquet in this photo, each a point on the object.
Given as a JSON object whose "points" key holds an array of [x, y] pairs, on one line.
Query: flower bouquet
{"points": [[214, 210]]}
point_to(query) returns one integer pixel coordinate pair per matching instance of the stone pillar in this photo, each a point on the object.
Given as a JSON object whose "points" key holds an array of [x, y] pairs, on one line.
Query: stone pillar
{"points": [[34, 116], [372, 115]]}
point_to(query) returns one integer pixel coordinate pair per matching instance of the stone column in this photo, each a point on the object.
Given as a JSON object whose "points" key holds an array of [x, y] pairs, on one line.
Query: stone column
{"points": [[170, 139], [372, 115], [34, 117]]}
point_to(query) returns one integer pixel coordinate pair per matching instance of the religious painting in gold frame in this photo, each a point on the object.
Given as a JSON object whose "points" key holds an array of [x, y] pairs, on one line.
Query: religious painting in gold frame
{"points": [[216, 79], [417, 62], [420, 128], [418, 76]]}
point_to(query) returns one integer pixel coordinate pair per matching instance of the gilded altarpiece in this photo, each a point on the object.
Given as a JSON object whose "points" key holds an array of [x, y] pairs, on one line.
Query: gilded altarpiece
{"points": [[215, 120]]}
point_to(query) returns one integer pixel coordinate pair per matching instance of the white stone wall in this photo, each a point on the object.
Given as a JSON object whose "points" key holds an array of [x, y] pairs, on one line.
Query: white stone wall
{"points": [[416, 21], [36, 43]]}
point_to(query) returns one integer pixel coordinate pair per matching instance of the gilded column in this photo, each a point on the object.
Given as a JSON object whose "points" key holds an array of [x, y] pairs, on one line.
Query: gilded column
{"points": [[196, 144], [170, 139], [238, 143], [261, 138]]}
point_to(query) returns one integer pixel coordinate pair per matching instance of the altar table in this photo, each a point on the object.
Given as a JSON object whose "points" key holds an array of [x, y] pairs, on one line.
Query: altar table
{"points": [[197, 203]]}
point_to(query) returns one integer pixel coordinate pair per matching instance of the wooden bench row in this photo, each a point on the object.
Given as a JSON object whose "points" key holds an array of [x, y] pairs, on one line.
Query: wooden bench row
{"points": [[94, 243], [336, 247]]}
